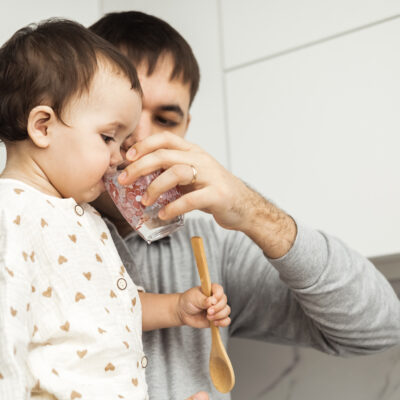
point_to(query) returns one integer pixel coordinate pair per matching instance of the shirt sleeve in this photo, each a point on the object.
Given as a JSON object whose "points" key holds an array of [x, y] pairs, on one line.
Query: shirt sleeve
{"points": [[17, 259], [320, 294]]}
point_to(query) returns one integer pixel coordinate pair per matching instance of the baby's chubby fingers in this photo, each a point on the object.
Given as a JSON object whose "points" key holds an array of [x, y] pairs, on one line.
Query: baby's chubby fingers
{"points": [[220, 315], [217, 290], [218, 307], [223, 323], [218, 300], [219, 310]]}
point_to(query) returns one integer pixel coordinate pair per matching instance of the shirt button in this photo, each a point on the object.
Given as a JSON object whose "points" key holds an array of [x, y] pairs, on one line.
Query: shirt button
{"points": [[121, 283], [144, 362], [79, 210]]}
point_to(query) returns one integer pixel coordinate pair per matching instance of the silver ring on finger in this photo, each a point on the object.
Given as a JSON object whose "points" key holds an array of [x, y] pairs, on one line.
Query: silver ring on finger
{"points": [[194, 175]]}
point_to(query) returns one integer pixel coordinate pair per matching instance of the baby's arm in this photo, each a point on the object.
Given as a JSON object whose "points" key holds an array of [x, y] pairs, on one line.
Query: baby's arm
{"points": [[191, 308]]}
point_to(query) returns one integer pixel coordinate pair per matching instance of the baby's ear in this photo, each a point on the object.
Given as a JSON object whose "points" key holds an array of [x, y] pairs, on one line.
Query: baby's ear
{"points": [[39, 120]]}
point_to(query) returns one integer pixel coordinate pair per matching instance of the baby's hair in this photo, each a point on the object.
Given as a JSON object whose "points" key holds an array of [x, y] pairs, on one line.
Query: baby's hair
{"points": [[48, 64]]}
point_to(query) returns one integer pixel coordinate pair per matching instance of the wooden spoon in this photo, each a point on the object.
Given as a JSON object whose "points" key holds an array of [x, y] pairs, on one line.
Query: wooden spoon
{"points": [[221, 371]]}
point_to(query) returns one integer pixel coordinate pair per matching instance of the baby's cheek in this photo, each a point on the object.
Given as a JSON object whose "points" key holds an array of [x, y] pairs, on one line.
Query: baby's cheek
{"points": [[100, 163]]}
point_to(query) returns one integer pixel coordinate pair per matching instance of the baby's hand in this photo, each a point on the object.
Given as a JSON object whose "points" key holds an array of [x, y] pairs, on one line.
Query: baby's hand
{"points": [[197, 310]]}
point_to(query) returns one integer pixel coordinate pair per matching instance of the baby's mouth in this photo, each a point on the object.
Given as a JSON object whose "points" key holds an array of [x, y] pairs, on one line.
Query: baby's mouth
{"points": [[109, 173]]}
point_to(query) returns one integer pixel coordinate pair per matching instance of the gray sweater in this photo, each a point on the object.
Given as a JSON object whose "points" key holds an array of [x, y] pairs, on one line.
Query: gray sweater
{"points": [[321, 294]]}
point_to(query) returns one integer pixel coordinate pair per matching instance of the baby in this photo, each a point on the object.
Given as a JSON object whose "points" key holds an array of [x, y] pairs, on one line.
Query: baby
{"points": [[70, 316]]}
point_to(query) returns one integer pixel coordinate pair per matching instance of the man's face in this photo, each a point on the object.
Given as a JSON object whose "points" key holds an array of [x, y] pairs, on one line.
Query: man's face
{"points": [[165, 102], [165, 107]]}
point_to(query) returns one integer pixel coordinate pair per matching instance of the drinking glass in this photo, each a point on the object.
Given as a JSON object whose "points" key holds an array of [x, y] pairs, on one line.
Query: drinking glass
{"points": [[143, 219]]}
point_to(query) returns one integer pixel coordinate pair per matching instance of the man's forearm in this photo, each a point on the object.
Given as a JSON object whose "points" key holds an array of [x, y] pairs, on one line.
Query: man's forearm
{"points": [[269, 227]]}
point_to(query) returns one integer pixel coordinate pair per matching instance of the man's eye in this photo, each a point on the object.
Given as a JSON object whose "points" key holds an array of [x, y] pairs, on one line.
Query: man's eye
{"points": [[107, 139], [165, 122]]}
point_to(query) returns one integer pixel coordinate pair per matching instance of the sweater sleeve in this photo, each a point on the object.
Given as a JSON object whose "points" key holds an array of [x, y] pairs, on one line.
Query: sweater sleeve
{"points": [[320, 294], [17, 259]]}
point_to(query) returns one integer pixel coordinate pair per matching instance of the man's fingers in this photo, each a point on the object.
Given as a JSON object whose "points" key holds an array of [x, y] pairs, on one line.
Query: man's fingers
{"points": [[196, 200], [164, 140], [179, 174], [159, 159]]}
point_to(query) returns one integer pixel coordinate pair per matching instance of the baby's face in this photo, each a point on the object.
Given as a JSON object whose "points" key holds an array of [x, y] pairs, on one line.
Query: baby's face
{"points": [[88, 145]]}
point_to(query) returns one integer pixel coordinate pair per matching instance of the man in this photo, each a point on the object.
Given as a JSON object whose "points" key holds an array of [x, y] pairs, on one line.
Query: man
{"points": [[285, 283]]}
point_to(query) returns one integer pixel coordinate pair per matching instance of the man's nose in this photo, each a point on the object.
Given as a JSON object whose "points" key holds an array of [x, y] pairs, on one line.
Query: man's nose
{"points": [[144, 128]]}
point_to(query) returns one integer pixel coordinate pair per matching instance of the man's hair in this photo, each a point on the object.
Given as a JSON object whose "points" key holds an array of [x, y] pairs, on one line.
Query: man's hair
{"points": [[48, 64], [145, 38]]}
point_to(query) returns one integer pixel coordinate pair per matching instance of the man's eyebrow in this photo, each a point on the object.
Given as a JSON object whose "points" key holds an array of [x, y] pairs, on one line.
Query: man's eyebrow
{"points": [[172, 107]]}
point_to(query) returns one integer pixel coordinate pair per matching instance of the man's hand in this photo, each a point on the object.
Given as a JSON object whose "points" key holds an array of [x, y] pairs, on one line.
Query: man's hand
{"points": [[216, 191], [197, 310]]}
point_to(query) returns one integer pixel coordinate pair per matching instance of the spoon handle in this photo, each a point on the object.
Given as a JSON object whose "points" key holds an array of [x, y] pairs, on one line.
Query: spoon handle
{"points": [[202, 266], [221, 371]]}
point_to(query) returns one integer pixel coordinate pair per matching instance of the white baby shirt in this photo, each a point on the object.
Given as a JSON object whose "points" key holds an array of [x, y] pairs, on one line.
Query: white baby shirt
{"points": [[70, 316]]}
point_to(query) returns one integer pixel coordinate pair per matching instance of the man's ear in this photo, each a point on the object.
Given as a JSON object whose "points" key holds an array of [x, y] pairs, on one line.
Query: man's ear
{"points": [[39, 120]]}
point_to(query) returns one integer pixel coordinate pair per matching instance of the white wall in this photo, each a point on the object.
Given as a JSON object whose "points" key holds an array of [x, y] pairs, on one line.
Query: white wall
{"points": [[324, 129], [18, 13], [257, 28], [312, 89]]}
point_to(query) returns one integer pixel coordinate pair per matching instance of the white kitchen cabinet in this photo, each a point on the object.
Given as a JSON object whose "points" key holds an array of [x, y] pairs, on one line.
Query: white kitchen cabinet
{"points": [[257, 28], [317, 132]]}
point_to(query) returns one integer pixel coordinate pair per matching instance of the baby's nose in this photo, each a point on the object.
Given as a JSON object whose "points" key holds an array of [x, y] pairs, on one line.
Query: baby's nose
{"points": [[116, 158]]}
